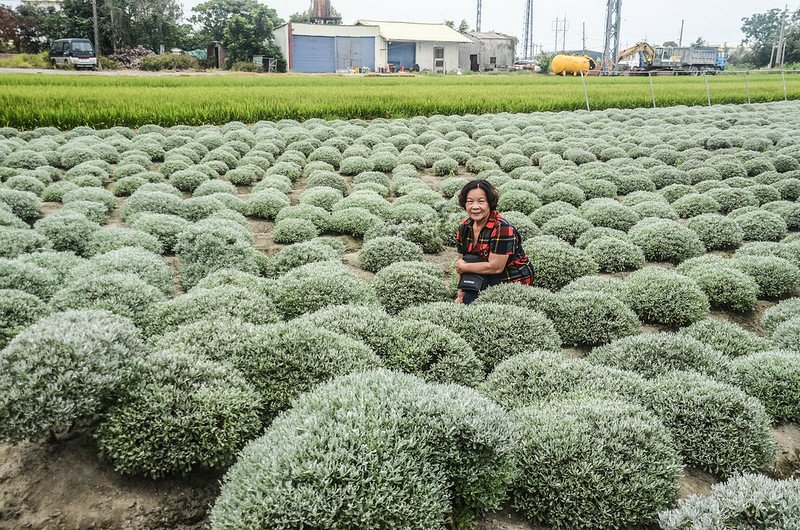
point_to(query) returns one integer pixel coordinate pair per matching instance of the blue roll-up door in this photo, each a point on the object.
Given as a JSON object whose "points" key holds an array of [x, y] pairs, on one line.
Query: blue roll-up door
{"points": [[355, 52], [313, 54], [403, 54]]}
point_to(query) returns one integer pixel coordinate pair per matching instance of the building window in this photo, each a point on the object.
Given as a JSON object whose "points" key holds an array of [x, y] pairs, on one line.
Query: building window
{"points": [[438, 53], [493, 60]]}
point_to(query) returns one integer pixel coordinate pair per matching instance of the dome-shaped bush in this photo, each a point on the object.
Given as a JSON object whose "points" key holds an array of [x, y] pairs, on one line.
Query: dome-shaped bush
{"points": [[445, 167], [776, 277], [695, 204], [67, 231], [597, 233], [368, 324], [123, 294], [318, 285], [16, 241], [327, 179], [164, 227], [759, 500], [150, 202], [432, 352], [656, 354], [445, 441], [300, 254], [315, 214], [63, 371], [518, 201], [609, 213], [211, 187], [148, 266], [353, 221], [727, 288], [240, 303], [567, 227], [717, 232], [353, 165], [655, 209], [520, 329], [665, 240], [102, 241], [717, 427], [294, 230], [266, 204], [779, 313], [551, 211], [98, 195], [556, 264], [402, 284], [373, 202], [18, 310], [382, 251], [590, 319], [665, 297], [55, 192], [563, 192], [534, 378], [774, 378], [726, 337], [138, 438], [762, 225], [615, 255], [561, 459], [518, 295]]}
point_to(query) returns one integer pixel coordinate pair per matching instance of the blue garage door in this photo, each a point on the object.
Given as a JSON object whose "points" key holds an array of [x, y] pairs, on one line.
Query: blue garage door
{"points": [[313, 54], [355, 52], [403, 54]]}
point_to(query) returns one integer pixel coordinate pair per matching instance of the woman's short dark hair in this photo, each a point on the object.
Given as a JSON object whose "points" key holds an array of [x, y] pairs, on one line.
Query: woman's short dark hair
{"points": [[492, 195]]}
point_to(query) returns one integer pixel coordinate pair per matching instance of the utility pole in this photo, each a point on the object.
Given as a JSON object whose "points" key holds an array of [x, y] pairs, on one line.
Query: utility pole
{"points": [[96, 34], [680, 40], [527, 32], [584, 37], [564, 35], [613, 24], [781, 40], [556, 28], [478, 19]]}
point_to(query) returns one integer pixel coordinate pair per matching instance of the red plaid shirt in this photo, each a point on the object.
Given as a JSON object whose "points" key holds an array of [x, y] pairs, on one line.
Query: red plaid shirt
{"points": [[497, 237]]}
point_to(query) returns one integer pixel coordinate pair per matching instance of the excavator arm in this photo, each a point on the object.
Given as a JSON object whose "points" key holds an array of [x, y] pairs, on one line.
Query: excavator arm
{"points": [[643, 47]]}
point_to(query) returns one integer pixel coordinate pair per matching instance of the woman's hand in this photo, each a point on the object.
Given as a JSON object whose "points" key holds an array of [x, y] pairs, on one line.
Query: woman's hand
{"points": [[460, 266], [460, 297]]}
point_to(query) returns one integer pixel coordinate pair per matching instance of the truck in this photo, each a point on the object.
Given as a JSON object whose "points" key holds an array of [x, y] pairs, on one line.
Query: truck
{"points": [[688, 60]]}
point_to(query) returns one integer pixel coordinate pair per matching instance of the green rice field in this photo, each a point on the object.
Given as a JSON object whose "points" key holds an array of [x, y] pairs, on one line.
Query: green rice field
{"points": [[65, 101]]}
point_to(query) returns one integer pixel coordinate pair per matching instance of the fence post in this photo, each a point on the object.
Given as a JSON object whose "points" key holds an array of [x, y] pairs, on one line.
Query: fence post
{"points": [[652, 90], [585, 92], [747, 86], [708, 90], [785, 94]]}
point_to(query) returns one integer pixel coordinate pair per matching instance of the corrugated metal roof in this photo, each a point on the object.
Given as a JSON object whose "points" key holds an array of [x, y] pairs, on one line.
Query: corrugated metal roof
{"points": [[490, 35], [414, 31]]}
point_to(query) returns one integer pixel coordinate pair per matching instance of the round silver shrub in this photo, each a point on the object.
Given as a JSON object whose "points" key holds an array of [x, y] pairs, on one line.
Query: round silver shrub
{"points": [[727, 288], [402, 284], [534, 378], [138, 438], [314, 286], [18, 310], [266, 204], [665, 297], [726, 337], [762, 225], [354, 221], [518, 295], [717, 232], [639, 465], [17, 241], [761, 501], [164, 227], [28, 277], [241, 303], [615, 255], [451, 446], [591, 319], [776, 277], [64, 371], [652, 355], [558, 263], [773, 377], [520, 329], [716, 427], [294, 230], [665, 240], [380, 252]]}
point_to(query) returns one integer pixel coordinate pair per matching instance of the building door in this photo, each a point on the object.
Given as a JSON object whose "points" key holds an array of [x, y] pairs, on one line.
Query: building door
{"points": [[355, 52], [473, 63], [313, 54], [402, 54], [438, 59]]}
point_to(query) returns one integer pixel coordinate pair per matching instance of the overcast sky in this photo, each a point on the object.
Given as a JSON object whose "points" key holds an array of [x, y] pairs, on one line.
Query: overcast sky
{"points": [[716, 21]]}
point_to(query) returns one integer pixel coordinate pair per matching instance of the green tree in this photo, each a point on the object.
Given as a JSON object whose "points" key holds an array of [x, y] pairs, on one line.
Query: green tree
{"points": [[301, 17], [450, 24], [761, 32], [464, 26], [670, 44], [699, 43], [213, 16]]}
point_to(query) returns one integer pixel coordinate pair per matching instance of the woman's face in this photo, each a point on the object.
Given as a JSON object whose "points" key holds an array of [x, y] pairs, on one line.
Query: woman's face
{"points": [[477, 205]]}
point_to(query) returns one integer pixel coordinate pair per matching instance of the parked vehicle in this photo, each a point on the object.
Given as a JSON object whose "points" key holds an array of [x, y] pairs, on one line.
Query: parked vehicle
{"points": [[527, 64], [644, 58], [77, 52]]}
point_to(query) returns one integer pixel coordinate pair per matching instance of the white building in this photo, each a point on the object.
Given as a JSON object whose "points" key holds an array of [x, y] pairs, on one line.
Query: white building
{"points": [[371, 44]]}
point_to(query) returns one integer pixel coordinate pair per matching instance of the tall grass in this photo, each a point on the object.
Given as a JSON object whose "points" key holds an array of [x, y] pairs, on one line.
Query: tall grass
{"points": [[26, 60], [65, 101]]}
